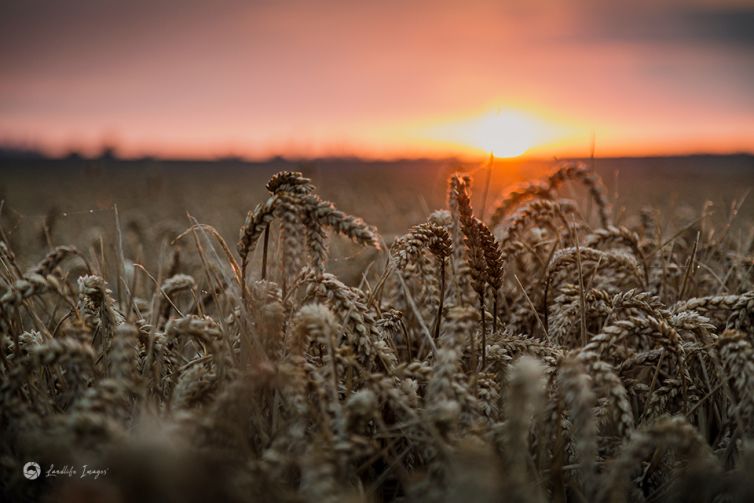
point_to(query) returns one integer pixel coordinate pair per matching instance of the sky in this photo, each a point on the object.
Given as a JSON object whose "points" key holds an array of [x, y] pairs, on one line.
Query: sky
{"points": [[378, 79]]}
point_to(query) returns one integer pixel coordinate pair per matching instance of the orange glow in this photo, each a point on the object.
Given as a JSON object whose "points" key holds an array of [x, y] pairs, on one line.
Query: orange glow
{"points": [[506, 133]]}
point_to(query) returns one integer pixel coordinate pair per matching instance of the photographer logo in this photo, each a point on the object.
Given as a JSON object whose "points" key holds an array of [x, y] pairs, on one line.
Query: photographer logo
{"points": [[32, 470]]}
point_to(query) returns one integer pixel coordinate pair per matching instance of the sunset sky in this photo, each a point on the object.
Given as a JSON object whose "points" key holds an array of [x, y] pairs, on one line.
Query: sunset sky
{"points": [[384, 78]]}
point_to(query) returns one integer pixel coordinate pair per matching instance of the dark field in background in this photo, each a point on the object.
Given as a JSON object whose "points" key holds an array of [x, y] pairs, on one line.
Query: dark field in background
{"points": [[75, 197]]}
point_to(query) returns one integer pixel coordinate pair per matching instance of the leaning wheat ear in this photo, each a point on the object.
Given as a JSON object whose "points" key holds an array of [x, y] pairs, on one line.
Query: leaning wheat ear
{"points": [[593, 183], [294, 202], [407, 249], [517, 196], [256, 224]]}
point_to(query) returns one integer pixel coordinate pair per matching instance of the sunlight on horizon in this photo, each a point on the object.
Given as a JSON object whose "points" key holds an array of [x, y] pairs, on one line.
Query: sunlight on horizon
{"points": [[505, 133]]}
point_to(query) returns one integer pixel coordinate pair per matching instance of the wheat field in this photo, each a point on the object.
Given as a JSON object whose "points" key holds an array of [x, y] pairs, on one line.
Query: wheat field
{"points": [[542, 346]]}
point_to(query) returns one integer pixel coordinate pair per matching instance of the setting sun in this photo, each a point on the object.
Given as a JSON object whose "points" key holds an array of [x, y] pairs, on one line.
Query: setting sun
{"points": [[508, 134], [505, 133]]}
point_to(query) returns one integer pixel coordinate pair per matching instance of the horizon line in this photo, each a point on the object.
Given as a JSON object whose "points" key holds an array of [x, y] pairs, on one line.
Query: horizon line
{"points": [[19, 153]]}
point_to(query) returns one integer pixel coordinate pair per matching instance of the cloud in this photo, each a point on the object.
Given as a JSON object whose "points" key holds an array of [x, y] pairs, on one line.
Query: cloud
{"points": [[725, 26]]}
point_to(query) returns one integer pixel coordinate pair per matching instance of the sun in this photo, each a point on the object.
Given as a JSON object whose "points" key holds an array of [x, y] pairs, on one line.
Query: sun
{"points": [[504, 133]]}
